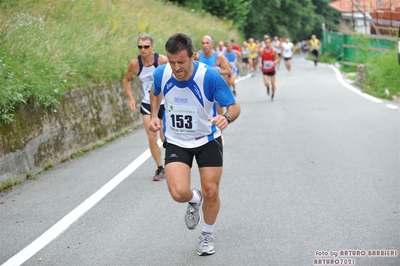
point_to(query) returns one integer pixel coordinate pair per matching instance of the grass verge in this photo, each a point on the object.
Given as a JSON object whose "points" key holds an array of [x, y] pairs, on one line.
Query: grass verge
{"points": [[382, 75], [47, 47]]}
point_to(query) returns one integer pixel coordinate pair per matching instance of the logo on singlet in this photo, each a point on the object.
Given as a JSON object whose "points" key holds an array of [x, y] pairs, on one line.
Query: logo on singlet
{"points": [[180, 100]]}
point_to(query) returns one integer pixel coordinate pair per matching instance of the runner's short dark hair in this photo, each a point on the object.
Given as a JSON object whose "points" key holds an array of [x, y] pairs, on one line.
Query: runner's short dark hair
{"points": [[179, 42]]}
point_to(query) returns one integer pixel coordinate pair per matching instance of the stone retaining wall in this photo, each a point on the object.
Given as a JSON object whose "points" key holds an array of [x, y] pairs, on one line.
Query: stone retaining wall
{"points": [[84, 117]]}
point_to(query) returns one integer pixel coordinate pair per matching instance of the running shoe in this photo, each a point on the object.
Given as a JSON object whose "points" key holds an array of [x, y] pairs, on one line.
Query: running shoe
{"points": [[206, 244], [192, 215], [272, 97], [267, 90], [159, 175]]}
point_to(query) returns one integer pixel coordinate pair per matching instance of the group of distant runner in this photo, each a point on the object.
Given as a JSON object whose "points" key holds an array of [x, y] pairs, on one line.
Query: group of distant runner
{"points": [[267, 56]]}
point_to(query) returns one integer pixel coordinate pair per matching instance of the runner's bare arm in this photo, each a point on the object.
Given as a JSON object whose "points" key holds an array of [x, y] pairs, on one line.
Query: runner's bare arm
{"points": [[133, 69], [197, 56], [162, 59], [223, 63], [232, 111], [260, 59], [239, 57], [155, 102], [277, 59]]}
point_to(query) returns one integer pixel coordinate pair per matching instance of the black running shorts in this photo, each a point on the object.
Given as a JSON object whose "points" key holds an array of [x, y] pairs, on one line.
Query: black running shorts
{"points": [[208, 155], [145, 110], [270, 74]]}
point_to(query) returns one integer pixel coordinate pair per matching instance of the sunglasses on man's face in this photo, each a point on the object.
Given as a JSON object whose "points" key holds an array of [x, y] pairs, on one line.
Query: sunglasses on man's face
{"points": [[143, 46]]}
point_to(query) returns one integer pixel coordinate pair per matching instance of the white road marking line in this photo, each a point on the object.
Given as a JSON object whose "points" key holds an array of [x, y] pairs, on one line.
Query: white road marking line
{"points": [[348, 86], [367, 96], [392, 106], [74, 215], [351, 88], [242, 78]]}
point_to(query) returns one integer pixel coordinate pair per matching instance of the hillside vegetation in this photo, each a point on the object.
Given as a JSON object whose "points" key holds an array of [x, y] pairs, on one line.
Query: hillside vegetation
{"points": [[47, 47]]}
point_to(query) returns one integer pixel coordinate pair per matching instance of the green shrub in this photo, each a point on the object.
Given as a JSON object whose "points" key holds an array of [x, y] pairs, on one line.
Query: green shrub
{"points": [[383, 73]]}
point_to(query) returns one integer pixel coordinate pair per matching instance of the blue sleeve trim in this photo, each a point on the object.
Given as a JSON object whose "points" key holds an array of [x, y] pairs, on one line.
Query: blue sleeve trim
{"points": [[158, 74], [216, 88]]}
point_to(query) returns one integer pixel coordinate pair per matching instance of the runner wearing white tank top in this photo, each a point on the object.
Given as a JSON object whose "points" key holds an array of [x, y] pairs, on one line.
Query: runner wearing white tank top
{"points": [[143, 67], [288, 51], [276, 43]]}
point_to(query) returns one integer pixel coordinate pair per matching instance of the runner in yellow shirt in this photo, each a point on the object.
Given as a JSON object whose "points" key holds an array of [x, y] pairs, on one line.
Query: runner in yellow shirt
{"points": [[253, 52], [315, 46]]}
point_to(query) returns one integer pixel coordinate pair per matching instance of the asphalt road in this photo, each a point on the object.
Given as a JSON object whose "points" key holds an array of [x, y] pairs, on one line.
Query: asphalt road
{"points": [[313, 173]]}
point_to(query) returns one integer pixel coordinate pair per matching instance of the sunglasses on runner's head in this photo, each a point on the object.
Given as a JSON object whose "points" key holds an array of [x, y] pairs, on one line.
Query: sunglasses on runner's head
{"points": [[143, 46]]}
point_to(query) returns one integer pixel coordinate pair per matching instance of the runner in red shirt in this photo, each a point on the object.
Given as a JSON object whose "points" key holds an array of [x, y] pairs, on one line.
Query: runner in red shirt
{"points": [[236, 46], [269, 58]]}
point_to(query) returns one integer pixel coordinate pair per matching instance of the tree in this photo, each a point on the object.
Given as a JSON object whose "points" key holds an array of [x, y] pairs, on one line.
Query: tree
{"points": [[299, 17], [285, 18], [296, 19], [260, 19], [326, 15], [234, 10]]}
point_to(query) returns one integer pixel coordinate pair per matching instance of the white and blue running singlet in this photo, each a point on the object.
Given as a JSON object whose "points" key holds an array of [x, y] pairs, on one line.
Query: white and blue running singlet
{"points": [[232, 61], [146, 78], [189, 104]]}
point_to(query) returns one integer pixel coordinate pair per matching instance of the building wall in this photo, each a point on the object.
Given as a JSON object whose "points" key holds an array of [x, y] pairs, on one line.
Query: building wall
{"points": [[355, 22]]}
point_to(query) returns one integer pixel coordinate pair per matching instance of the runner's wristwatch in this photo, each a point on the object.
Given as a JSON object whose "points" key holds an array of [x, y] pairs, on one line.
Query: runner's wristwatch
{"points": [[227, 118]]}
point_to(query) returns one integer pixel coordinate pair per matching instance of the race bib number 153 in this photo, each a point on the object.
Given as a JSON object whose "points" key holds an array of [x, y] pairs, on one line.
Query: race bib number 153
{"points": [[183, 119]]}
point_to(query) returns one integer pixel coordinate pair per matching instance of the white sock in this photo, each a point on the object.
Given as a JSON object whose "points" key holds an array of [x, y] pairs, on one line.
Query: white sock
{"points": [[208, 228], [195, 198]]}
